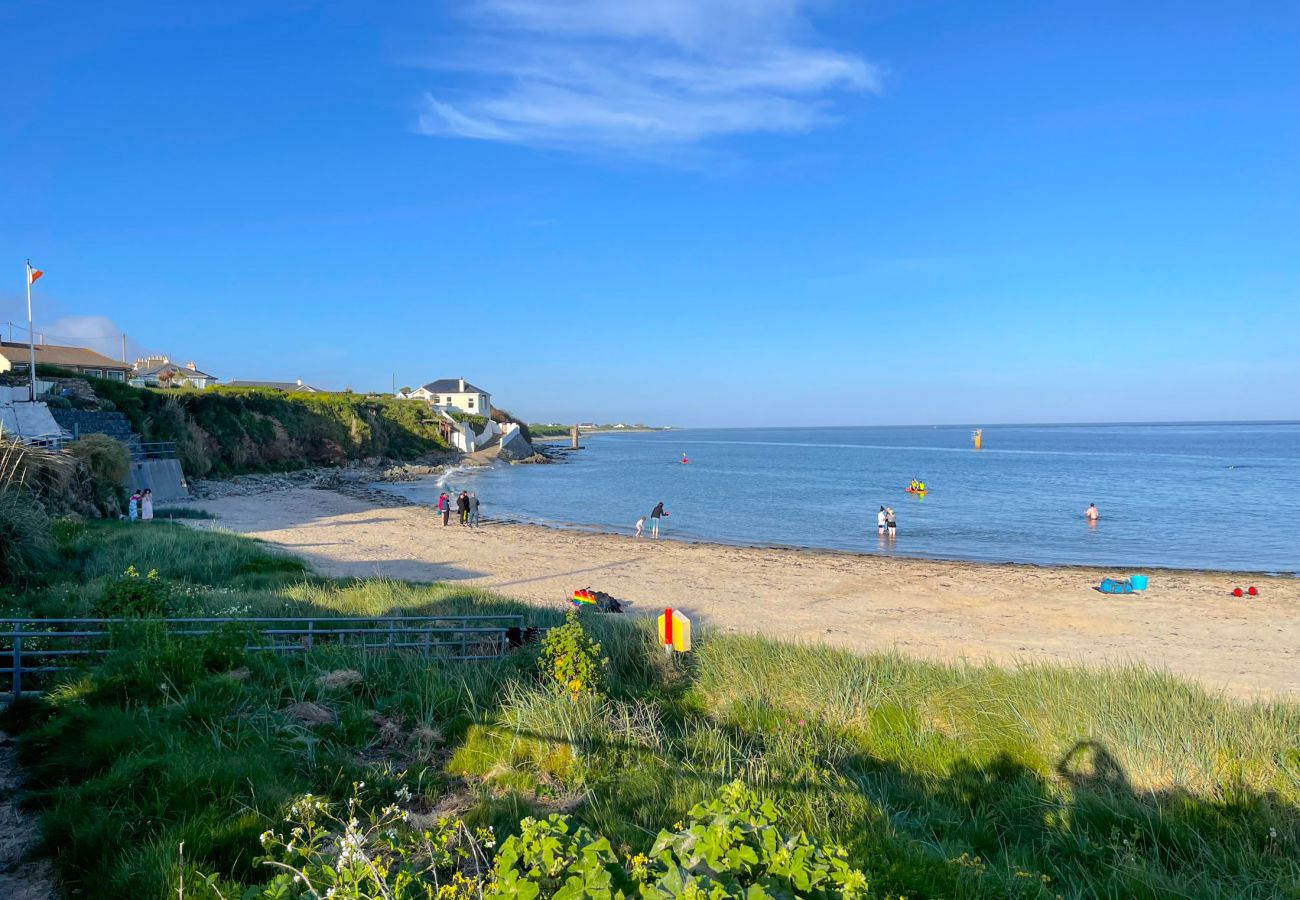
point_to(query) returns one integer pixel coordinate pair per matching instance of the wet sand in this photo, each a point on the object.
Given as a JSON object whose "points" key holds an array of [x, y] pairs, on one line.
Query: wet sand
{"points": [[1187, 622]]}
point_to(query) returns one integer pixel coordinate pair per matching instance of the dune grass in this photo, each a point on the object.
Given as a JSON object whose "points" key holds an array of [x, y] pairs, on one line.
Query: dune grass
{"points": [[941, 781]]}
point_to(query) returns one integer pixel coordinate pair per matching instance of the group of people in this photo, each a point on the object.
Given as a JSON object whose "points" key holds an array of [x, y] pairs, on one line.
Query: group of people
{"points": [[918, 487], [655, 515], [885, 521], [466, 509], [140, 506]]}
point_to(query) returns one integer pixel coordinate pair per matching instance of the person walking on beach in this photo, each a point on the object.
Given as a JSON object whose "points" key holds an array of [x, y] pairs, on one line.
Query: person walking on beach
{"points": [[473, 510], [655, 515], [146, 506], [640, 526], [462, 509], [444, 507], [890, 522], [880, 521]]}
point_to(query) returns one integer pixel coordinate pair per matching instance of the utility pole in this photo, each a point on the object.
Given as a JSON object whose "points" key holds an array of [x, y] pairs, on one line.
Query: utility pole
{"points": [[31, 335], [123, 348]]}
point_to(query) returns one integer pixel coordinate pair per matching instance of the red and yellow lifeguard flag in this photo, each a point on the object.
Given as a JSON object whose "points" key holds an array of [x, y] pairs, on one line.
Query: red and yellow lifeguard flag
{"points": [[33, 274]]}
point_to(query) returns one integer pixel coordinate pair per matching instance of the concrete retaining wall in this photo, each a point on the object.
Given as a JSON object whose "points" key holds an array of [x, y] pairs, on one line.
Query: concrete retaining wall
{"points": [[162, 476]]}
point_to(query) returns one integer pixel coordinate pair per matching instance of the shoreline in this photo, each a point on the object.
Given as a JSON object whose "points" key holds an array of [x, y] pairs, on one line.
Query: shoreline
{"points": [[942, 610], [373, 482], [380, 495]]}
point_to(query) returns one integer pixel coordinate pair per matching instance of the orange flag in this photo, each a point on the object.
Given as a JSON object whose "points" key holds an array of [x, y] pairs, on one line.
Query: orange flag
{"points": [[33, 274]]}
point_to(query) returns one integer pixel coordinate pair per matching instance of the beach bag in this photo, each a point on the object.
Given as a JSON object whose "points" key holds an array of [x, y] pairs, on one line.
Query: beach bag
{"points": [[1112, 586]]}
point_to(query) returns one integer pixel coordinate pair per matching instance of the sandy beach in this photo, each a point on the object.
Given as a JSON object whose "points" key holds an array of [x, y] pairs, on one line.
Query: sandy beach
{"points": [[1187, 622]]}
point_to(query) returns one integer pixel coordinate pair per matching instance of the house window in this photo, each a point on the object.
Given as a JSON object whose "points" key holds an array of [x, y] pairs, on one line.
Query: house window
{"points": [[471, 402], [435, 399], [93, 373], [116, 376]]}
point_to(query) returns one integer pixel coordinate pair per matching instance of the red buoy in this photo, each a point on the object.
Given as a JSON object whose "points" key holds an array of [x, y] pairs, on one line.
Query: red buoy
{"points": [[1236, 592], [1251, 590]]}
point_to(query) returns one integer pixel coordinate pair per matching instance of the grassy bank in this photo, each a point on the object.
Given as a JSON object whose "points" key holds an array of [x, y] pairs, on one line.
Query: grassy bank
{"points": [[224, 431], [938, 781]]}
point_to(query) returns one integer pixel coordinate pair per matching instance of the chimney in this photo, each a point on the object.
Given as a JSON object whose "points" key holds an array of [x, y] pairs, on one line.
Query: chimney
{"points": [[190, 365], [462, 385], [299, 382]]}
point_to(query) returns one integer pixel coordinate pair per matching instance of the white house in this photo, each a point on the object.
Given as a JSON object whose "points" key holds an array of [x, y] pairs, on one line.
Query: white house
{"points": [[453, 395], [159, 371]]}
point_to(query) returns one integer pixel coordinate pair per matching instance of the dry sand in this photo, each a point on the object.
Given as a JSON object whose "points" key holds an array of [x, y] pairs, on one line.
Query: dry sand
{"points": [[1187, 622]]}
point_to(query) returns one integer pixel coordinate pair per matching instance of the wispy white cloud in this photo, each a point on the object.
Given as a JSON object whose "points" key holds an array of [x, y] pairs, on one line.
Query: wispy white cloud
{"points": [[634, 74]]}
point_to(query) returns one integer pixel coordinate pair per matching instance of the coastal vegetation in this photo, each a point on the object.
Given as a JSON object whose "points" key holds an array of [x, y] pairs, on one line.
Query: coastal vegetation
{"points": [[747, 767], [226, 431]]}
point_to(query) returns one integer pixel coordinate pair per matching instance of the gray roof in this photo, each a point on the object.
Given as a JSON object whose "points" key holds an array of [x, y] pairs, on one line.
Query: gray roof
{"points": [[451, 386], [286, 386]]}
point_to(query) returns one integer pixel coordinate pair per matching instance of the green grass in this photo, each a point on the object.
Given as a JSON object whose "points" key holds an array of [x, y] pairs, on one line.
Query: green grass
{"points": [[182, 512], [943, 781]]}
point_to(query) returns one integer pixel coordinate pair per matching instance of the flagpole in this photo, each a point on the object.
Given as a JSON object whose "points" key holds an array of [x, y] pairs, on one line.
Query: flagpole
{"points": [[31, 335]]}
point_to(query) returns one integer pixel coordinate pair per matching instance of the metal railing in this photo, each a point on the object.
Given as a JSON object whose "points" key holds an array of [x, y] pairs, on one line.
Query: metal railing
{"points": [[152, 450], [34, 648]]}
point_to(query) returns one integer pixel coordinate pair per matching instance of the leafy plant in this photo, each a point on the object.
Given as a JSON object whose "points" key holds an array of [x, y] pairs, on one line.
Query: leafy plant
{"points": [[571, 661], [729, 847], [352, 854], [134, 595]]}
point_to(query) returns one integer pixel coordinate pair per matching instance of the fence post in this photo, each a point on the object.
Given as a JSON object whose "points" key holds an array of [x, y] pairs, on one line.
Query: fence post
{"points": [[311, 627], [17, 684]]}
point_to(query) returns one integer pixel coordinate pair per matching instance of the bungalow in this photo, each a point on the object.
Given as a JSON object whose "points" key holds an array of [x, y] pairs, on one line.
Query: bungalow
{"points": [[14, 358], [289, 387], [453, 395], [161, 372]]}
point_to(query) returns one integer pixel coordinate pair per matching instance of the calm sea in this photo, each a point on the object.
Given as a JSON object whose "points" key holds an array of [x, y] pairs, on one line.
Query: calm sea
{"points": [[1174, 496]]}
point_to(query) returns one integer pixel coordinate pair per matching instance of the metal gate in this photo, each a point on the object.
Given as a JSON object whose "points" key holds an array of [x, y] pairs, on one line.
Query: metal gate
{"points": [[33, 648]]}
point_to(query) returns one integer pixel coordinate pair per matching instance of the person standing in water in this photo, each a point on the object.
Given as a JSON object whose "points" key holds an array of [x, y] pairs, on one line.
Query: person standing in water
{"points": [[880, 520], [655, 515], [1091, 514], [473, 509], [890, 522]]}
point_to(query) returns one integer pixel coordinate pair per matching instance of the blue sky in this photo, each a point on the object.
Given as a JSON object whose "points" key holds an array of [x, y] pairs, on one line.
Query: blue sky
{"points": [[697, 211]]}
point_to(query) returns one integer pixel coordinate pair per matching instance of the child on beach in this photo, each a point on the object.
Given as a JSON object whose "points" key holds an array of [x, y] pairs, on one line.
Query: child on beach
{"points": [[640, 526], [133, 507], [146, 506]]}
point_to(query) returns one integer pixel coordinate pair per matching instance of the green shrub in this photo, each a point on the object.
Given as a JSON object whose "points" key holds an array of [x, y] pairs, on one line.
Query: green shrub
{"points": [[27, 548], [571, 661], [108, 463], [731, 846], [224, 431], [134, 596]]}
